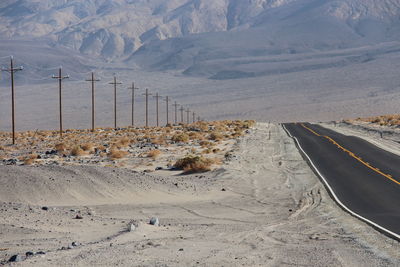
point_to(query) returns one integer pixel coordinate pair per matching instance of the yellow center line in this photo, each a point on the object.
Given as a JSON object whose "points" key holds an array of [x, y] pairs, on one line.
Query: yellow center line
{"points": [[359, 159]]}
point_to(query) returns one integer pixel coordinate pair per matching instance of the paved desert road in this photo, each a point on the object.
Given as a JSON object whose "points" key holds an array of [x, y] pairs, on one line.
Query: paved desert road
{"points": [[363, 177]]}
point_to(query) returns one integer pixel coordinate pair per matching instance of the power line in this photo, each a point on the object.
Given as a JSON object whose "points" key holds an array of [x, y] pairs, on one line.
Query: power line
{"points": [[12, 70], [176, 105], [115, 83], [133, 88], [181, 110], [187, 115], [147, 94], [167, 104], [157, 97], [60, 78], [93, 81]]}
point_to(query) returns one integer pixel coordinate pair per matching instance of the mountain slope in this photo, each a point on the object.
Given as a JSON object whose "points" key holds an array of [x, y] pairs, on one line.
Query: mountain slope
{"points": [[116, 29]]}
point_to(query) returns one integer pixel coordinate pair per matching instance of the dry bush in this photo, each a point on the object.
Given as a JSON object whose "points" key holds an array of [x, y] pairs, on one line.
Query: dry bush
{"points": [[60, 147], [216, 150], [89, 147], [196, 136], [29, 160], [154, 153], [159, 140], [206, 151], [385, 120], [180, 138], [216, 136], [77, 151], [117, 154], [205, 144], [123, 142], [194, 164]]}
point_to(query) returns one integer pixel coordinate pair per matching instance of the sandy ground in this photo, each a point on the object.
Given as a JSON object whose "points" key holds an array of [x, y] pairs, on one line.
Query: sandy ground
{"points": [[264, 207]]}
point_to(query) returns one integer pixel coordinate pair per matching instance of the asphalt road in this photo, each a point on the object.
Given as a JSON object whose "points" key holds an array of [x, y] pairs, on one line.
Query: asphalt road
{"points": [[365, 178]]}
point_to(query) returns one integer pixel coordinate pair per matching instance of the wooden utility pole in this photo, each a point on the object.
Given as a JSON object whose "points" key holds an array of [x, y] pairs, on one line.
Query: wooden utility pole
{"points": [[187, 116], [182, 109], [93, 81], [194, 117], [115, 83], [147, 106], [133, 88], [157, 97], [12, 70], [167, 101], [176, 105], [198, 118], [60, 78]]}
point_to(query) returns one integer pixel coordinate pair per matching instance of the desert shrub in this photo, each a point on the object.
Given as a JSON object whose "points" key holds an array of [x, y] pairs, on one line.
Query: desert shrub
{"points": [[216, 136], [78, 151], [61, 147], [88, 147], [196, 136], [158, 140], [205, 144], [183, 138], [123, 142], [193, 164], [117, 154], [153, 153], [29, 160], [216, 150]]}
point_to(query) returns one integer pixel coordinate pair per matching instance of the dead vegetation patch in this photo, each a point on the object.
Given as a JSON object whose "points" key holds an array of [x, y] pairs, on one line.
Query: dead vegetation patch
{"points": [[194, 164]]}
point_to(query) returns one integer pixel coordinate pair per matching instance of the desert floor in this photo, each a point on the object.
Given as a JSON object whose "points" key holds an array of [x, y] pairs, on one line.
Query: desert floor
{"points": [[262, 207]]}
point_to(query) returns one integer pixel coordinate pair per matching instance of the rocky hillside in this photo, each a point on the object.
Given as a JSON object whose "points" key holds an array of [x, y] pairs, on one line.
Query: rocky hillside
{"points": [[117, 29]]}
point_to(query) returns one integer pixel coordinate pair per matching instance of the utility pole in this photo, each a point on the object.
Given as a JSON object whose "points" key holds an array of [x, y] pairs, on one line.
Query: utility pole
{"points": [[181, 110], [157, 97], [133, 88], [187, 115], [115, 83], [176, 105], [198, 118], [194, 117], [60, 78], [147, 106], [167, 101], [93, 80], [12, 70]]}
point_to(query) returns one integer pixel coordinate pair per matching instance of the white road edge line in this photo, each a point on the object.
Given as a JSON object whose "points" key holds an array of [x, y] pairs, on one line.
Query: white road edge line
{"points": [[377, 226]]}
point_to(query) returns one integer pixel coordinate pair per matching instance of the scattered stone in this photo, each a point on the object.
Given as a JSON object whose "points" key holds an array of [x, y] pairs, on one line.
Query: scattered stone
{"points": [[223, 189], [131, 227], [16, 258], [45, 208], [11, 162], [76, 244], [181, 249], [70, 246], [78, 217], [29, 253], [159, 168], [154, 221], [51, 152], [40, 253]]}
